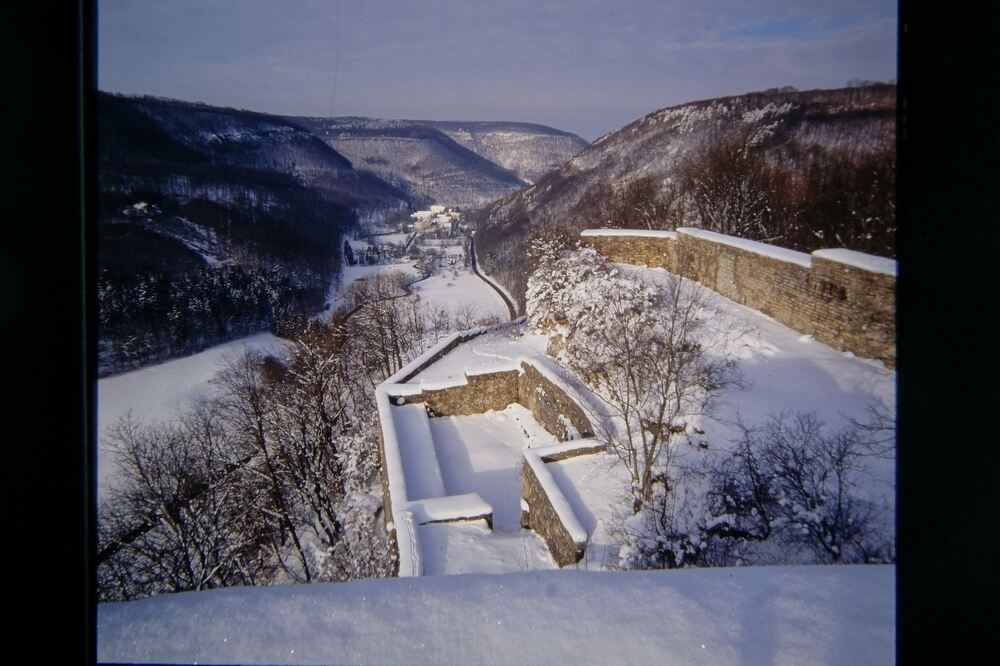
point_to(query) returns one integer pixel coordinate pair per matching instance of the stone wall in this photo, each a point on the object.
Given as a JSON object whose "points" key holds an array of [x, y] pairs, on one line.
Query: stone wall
{"points": [[495, 390], [843, 304], [551, 407], [542, 518], [548, 403], [658, 251]]}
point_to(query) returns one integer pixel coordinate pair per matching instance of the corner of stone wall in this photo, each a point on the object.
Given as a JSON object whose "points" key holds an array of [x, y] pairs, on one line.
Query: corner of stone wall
{"points": [[548, 403], [541, 516]]}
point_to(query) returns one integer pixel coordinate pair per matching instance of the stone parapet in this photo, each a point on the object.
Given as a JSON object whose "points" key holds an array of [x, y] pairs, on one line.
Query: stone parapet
{"points": [[844, 299]]}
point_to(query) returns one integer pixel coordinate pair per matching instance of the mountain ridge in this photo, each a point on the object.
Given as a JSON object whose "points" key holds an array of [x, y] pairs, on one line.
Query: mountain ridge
{"points": [[796, 133]]}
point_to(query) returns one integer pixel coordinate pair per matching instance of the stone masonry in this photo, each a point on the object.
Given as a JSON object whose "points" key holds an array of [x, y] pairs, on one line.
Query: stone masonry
{"points": [[839, 304], [548, 403], [544, 520]]}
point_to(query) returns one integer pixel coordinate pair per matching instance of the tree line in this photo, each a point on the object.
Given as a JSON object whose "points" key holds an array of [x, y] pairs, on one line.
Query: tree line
{"points": [[747, 181], [149, 317]]}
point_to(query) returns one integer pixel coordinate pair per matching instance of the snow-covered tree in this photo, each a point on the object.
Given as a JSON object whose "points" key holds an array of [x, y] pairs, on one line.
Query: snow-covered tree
{"points": [[793, 480], [637, 345]]}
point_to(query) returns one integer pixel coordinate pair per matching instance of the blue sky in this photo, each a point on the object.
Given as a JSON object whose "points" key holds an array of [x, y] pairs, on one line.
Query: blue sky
{"points": [[587, 67]]}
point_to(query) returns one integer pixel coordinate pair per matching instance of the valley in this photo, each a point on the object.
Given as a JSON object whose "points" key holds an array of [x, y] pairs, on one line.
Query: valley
{"points": [[355, 348]]}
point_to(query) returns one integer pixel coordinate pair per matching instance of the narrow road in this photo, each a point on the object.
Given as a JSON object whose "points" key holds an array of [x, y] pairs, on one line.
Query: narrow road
{"points": [[475, 269]]}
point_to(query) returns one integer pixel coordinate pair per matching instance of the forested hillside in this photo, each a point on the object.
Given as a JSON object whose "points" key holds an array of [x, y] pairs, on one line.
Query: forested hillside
{"points": [[803, 170], [213, 223]]}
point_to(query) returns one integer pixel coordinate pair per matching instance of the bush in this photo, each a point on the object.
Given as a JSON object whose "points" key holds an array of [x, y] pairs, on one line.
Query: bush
{"points": [[790, 493]]}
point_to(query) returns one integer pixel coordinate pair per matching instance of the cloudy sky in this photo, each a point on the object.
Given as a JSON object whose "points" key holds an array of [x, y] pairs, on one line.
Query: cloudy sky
{"points": [[587, 67]]}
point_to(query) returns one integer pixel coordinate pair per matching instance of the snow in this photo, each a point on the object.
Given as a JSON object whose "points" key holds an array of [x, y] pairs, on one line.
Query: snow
{"points": [[155, 393], [358, 245], [774, 615], [643, 233], [763, 249], [460, 291], [351, 274], [494, 351], [390, 239], [443, 509], [472, 548], [596, 487], [420, 464], [482, 454], [868, 262]]}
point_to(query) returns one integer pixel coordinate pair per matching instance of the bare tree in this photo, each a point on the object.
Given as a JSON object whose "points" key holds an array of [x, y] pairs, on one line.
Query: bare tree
{"points": [[734, 189], [791, 480], [638, 346], [179, 520]]}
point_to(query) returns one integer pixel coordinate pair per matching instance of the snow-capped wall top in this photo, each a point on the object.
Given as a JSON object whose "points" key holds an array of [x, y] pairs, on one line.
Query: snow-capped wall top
{"points": [[772, 251], [644, 233], [868, 262]]}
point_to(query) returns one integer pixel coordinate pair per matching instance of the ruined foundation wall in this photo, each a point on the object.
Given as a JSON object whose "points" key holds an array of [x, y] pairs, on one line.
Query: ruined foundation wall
{"points": [[550, 405], [544, 520]]}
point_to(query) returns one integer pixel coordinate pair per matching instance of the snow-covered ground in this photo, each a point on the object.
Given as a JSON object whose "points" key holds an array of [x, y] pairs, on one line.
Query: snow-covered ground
{"points": [[459, 291], [751, 615], [782, 371], [156, 392], [351, 274], [391, 239], [472, 548], [482, 454]]}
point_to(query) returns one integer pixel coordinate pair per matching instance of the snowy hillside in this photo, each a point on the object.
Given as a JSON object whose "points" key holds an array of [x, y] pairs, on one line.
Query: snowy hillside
{"points": [[808, 164], [154, 394], [754, 615], [862, 119], [420, 159], [462, 163], [529, 150]]}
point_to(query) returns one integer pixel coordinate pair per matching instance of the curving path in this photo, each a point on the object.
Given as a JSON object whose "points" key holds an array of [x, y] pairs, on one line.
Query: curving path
{"points": [[475, 269]]}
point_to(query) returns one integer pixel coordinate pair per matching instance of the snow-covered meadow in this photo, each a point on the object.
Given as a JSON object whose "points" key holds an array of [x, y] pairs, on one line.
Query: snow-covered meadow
{"points": [[460, 292]]}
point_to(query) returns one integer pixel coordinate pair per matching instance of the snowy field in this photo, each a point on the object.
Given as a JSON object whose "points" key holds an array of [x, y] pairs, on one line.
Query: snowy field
{"points": [[390, 239], [351, 274], [459, 291], [752, 615], [156, 392]]}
